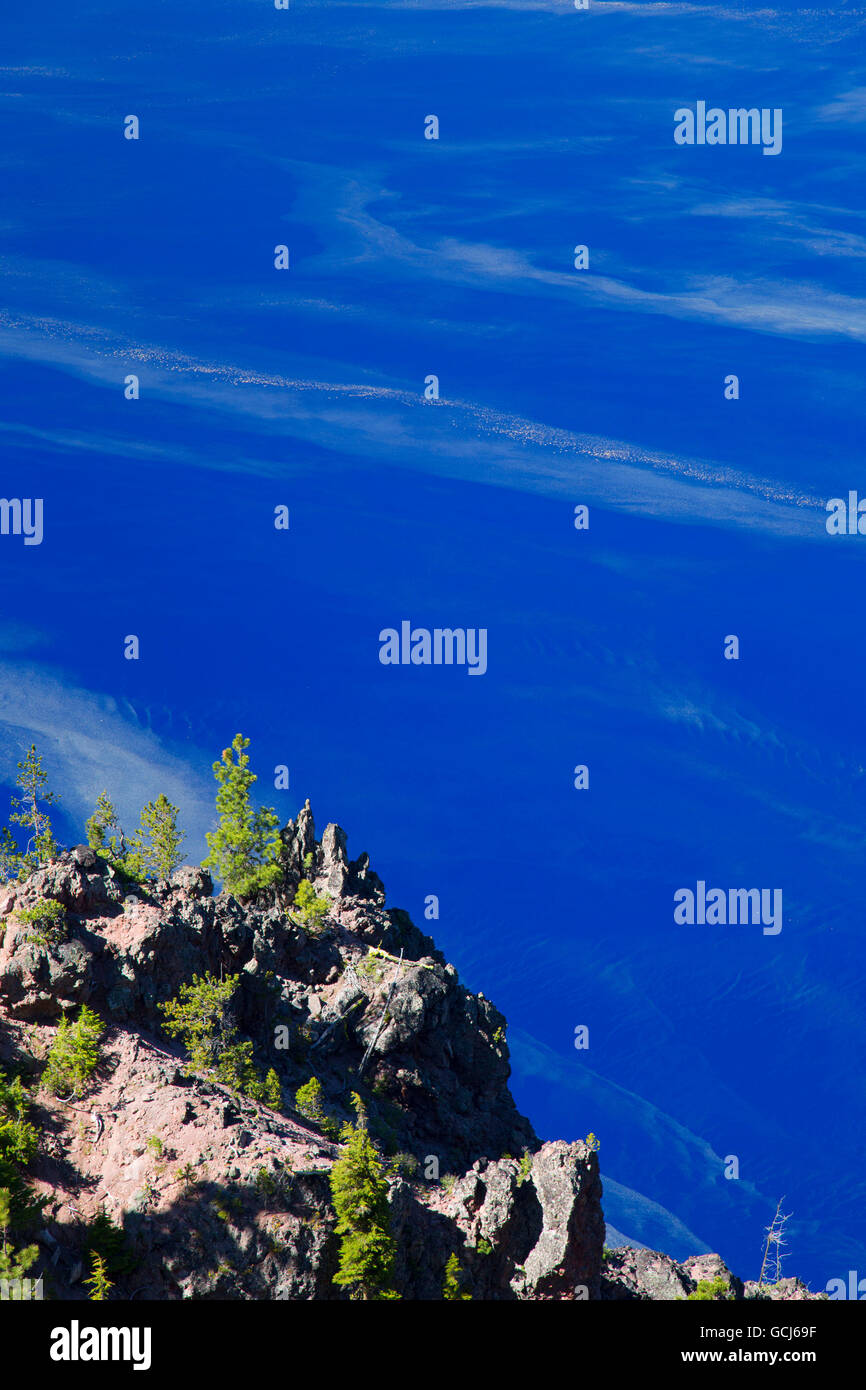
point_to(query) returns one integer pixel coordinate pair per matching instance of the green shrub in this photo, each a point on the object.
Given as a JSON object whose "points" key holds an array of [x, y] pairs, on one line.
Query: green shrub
{"points": [[308, 1100], [308, 907], [13, 1264], [273, 1184], [265, 1183], [711, 1290], [46, 920], [372, 969], [186, 1176], [200, 1015], [74, 1054], [524, 1172], [18, 1143], [404, 1164], [46, 910]]}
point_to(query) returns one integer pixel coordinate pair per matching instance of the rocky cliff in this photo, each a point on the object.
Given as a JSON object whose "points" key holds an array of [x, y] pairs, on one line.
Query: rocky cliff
{"points": [[220, 1196]]}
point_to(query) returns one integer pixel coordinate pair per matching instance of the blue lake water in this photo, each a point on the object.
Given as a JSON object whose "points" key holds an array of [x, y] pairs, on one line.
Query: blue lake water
{"points": [[557, 387]]}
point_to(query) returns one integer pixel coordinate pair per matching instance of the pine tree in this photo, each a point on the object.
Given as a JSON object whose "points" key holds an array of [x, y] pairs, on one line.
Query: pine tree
{"points": [[200, 1016], [360, 1195], [273, 1091], [10, 855], [157, 842], [97, 828], [13, 1264], [98, 1282], [451, 1287], [31, 781], [105, 835], [19, 1141], [244, 850], [308, 1101], [74, 1054]]}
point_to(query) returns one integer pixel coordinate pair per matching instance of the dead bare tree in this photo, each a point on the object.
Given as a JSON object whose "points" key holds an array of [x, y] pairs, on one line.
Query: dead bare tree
{"points": [[774, 1242]]}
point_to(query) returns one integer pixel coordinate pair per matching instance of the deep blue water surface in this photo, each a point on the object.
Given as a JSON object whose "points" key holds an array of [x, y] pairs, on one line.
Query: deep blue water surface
{"points": [[258, 387]]}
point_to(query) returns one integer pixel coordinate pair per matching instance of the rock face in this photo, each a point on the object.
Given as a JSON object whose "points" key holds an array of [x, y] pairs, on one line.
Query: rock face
{"points": [[222, 1197], [437, 1053], [645, 1274]]}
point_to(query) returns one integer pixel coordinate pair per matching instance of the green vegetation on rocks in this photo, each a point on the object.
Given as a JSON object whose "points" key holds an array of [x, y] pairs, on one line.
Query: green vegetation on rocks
{"points": [[201, 1017], [245, 848], [74, 1054], [359, 1190]]}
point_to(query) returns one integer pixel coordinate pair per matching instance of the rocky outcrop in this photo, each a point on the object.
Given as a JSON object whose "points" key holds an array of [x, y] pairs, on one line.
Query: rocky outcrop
{"points": [[434, 1052], [647, 1275], [222, 1197], [218, 1197], [785, 1291]]}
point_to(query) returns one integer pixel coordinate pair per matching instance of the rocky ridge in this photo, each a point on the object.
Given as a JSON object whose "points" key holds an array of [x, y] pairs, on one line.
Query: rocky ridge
{"points": [[222, 1197]]}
